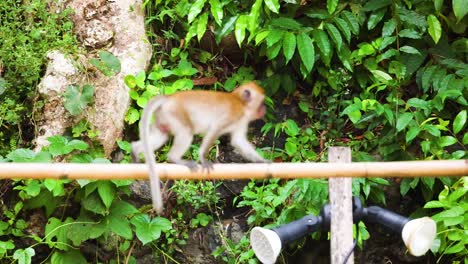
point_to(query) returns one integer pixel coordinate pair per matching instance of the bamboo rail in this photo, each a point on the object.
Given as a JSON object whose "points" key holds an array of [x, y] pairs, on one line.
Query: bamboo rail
{"points": [[434, 168]]}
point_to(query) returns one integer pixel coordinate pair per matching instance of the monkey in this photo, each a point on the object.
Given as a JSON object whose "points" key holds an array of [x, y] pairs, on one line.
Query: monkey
{"points": [[188, 113]]}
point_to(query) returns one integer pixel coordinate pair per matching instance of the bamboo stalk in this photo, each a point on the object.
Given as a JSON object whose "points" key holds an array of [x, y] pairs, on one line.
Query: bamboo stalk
{"points": [[433, 168]]}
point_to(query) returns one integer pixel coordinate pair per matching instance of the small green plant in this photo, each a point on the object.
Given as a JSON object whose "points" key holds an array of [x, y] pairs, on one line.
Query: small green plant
{"points": [[451, 242], [158, 82], [201, 219], [234, 253], [107, 63], [77, 99], [198, 194]]}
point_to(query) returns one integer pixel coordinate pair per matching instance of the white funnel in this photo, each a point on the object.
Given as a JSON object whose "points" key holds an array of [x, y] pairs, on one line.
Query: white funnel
{"points": [[418, 235], [266, 244]]}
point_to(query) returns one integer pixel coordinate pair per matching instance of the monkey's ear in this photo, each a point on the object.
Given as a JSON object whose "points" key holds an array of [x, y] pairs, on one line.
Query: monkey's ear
{"points": [[246, 95]]}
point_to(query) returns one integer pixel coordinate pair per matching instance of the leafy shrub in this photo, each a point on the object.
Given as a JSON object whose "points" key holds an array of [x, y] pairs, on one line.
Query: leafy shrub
{"points": [[451, 242], [28, 31]]}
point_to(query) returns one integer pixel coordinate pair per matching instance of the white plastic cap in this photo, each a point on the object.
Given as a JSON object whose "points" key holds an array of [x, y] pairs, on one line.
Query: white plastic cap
{"points": [[418, 235], [266, 244]]}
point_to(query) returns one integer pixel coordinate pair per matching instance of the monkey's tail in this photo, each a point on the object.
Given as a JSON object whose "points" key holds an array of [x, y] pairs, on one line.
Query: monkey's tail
{"points": [[145, 124]]}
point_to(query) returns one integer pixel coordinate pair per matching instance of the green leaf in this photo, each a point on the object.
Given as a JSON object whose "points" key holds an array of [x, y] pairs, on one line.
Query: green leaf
{"points": [[195, 9], [148, 231], [331, 6], [21, 155], [292, 129], [273, 5], [334, 34], [66, 257], [426, 77], [111, 61], [140, 79], [403, 121], [254, 17], [373, 5], [124, 145], [261, 36], [343, 26], [317, 13], [216, 11], [405, 186], [227, 28], [158, 75], [130, 81], [458, 247], [418, 103], [117, 219], [345, 54], [412, 133], [409, 33], [291, 148], [435, 29], [410, 50], [306, 51], [24, 256], [354, 116], [352, 21], [185, 68], [386, 41], [3, 85], [388, 28], [201, 25], [458, 193], [446, 141], [77, 99], [460, 8], [381, 76], [459, 122], [180, 85], [436, 204], [289, 45], [272, 52], [366, 49], [323, 44], [286, 23], [452, 212], [274, 36], [353, 111], [375, 18], [132, 116], [241, 25], [56, 233], [106, 191], [76, 144], [433, 130], [438, 5], [94, 203]]}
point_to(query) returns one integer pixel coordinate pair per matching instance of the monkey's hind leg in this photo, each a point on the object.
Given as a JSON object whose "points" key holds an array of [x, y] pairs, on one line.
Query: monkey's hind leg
{"points": [[136, 149], [182, 140], [156, 140]]}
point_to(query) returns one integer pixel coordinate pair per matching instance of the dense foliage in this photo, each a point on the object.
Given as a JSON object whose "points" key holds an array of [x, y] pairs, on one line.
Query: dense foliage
{"points": [[27, 32], [387, 78]]}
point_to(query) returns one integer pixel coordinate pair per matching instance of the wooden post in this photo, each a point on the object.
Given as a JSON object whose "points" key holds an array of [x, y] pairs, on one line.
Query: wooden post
{"points": [[340, 194]]}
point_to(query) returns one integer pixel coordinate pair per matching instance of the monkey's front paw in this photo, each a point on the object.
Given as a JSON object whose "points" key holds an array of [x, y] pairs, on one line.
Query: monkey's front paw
{"points": [[207, 165], [192, 165]]}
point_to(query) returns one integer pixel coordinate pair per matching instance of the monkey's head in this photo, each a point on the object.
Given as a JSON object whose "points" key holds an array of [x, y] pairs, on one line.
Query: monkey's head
{"points": [[252, 96]]}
